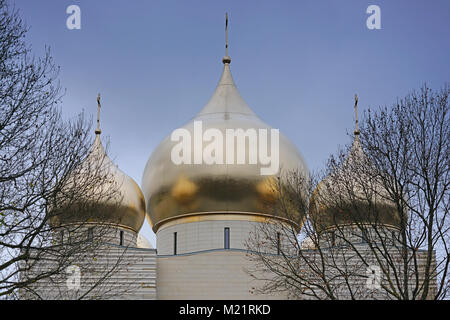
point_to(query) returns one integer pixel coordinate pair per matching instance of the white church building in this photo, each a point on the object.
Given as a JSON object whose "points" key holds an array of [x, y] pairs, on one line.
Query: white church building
{"points": [[202, 215]]}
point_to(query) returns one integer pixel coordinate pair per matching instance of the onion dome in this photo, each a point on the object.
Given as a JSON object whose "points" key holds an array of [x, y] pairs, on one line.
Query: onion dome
{"points": [[352, 195], [115, 200], [143, 243], [179, 190], [307, 244]]}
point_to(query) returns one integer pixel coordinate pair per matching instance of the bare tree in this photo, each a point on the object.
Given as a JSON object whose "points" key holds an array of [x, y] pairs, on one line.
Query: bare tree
{"points": [[49, 195], [378, 225]]}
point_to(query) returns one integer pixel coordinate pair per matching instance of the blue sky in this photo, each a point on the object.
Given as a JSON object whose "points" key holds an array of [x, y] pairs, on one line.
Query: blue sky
{"points": [[297, 63]]}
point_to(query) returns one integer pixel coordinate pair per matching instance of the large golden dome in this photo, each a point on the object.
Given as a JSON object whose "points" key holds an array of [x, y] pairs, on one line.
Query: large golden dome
{"points": [[173, 191]]}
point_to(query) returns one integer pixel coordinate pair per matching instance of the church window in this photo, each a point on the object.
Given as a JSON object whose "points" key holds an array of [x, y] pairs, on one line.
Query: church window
{"points": [[364, 236], [90, 234], [226, 238], [278, 243], [174, 243]]}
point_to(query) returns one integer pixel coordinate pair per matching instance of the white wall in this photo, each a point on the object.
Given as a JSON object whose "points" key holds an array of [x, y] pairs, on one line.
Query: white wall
{"points": [[203, 235], [209, 275]]}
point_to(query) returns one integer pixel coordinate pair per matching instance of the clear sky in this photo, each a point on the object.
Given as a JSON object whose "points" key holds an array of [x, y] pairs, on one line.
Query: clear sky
{"points": [[297, 63]]}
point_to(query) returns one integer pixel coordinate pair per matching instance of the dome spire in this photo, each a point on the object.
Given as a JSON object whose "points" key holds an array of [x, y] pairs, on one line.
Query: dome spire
{"points": [[226, 59], [226, 99], [98, 131], [356, 132]]}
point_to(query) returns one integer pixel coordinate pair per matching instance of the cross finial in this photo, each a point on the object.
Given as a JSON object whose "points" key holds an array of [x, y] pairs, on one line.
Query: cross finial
{"points": [[226, 59], [356, 132], [226, 33], [98, 131]]}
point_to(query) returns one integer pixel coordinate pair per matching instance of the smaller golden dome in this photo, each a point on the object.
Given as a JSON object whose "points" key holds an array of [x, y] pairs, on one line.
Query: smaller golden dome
{"points": [[118, 200], [98, 192], [143, 243], [347, 197]]}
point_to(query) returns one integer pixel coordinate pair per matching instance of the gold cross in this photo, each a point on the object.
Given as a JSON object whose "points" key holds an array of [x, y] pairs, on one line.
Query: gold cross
{"points": [[356, 115], [98, 131]]}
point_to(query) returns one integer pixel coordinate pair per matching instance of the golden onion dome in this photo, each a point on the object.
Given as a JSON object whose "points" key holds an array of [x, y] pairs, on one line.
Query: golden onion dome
{"points": [[143, 243], [176, 190], [351, 194], [113, 198]]}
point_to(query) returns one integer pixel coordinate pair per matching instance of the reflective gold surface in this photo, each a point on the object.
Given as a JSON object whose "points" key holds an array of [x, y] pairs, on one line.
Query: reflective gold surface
{"points": [[175, 190], [347, 197], [124, 206]]}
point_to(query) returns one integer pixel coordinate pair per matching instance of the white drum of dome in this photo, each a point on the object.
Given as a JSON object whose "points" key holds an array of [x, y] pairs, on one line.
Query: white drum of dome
{"points": [[213, 152]]}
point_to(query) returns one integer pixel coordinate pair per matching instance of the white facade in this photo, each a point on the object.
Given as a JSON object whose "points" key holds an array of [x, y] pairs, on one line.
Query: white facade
{"points": [[208, 260], [215, 274], [204, 235], [202, 216]]}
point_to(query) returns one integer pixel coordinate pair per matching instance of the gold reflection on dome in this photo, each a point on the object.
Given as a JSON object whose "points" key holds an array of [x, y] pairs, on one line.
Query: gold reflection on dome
{"points": [[350, 196], [192, 189], [346, 197], [117, 200], [268, 190], [184, 190]]}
